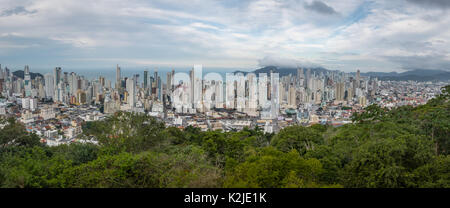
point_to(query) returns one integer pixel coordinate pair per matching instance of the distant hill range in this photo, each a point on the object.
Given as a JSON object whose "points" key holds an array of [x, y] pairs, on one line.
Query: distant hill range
{"points": [[283, 71], [415, 75], [21, 74]]}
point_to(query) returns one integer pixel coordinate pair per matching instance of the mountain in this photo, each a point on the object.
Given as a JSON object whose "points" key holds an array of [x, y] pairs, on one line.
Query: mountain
{"points": [[378, 74], [283, 71], [20, 74], [415, 75]]}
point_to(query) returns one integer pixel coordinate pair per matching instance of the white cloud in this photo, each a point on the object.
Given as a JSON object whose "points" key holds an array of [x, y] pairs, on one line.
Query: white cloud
{"points": [[234, 34], [205, 26], [81, 42]]}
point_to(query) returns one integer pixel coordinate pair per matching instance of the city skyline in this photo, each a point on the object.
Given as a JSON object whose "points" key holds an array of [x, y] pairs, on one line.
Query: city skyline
{"points": [[358, 34], [206, 100], [254, 94]]}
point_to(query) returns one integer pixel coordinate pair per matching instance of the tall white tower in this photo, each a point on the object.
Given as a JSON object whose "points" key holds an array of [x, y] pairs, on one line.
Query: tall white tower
{"points": [[27, 81], [49, 85]]}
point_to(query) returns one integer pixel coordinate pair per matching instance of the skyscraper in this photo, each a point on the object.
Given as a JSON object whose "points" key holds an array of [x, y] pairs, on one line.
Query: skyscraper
{"points": [[274, 95], [340, 91], [159, 88], [131, 89], [358, 77], [170, 84], [118, 78], [156, 80], [292, 96], [102, 81], [65, 79], [73, 83], [240, 92], [27, 81], [219, 94], [300, 75], [252, 103], [56, 77], [145, 80], [196, 84], [262, 90], [49, 85], [1, 72], [230, 92]]}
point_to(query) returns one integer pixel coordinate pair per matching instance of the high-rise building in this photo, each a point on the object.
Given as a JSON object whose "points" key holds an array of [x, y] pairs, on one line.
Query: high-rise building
{"points": [[145, 80], [340, 91], [33, 104], [89, 93], [59, 93], [107, 84], [102, 81], [169, 81], [308, 77], [292, 97], [73, 83], [118, 78], [362, 101], [282, 93], [350, 93], [262, 90], [2, 79], [196, 86], [240, 92], [219, 94], [358, 77], [26, 103], [252, 103], [81, 97], [300, 74], [159, 89], [131, 89], [191, 87], [274, 95], [56, 77], [155, 76], [230, 92], [65, 79], [27, 81], [29, 103], [300, 77]]}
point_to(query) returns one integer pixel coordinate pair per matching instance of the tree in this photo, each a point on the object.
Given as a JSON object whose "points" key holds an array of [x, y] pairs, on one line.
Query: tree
{"points": [[387, 163], [271, 168], [78, 153], [128, 132], [299, 138], [434, 174], [185, 167], [14, 134], [371, 113]]}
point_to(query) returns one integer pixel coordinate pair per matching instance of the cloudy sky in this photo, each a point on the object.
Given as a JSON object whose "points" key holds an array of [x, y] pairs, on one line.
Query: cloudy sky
{"points": [[381, 35]]}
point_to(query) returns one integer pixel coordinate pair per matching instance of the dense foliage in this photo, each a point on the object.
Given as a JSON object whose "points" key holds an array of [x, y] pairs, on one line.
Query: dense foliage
{"points": [[404, 147]]}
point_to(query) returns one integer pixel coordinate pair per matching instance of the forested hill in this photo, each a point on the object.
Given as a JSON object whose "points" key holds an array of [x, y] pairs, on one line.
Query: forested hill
{"points": [[404, 147]]}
